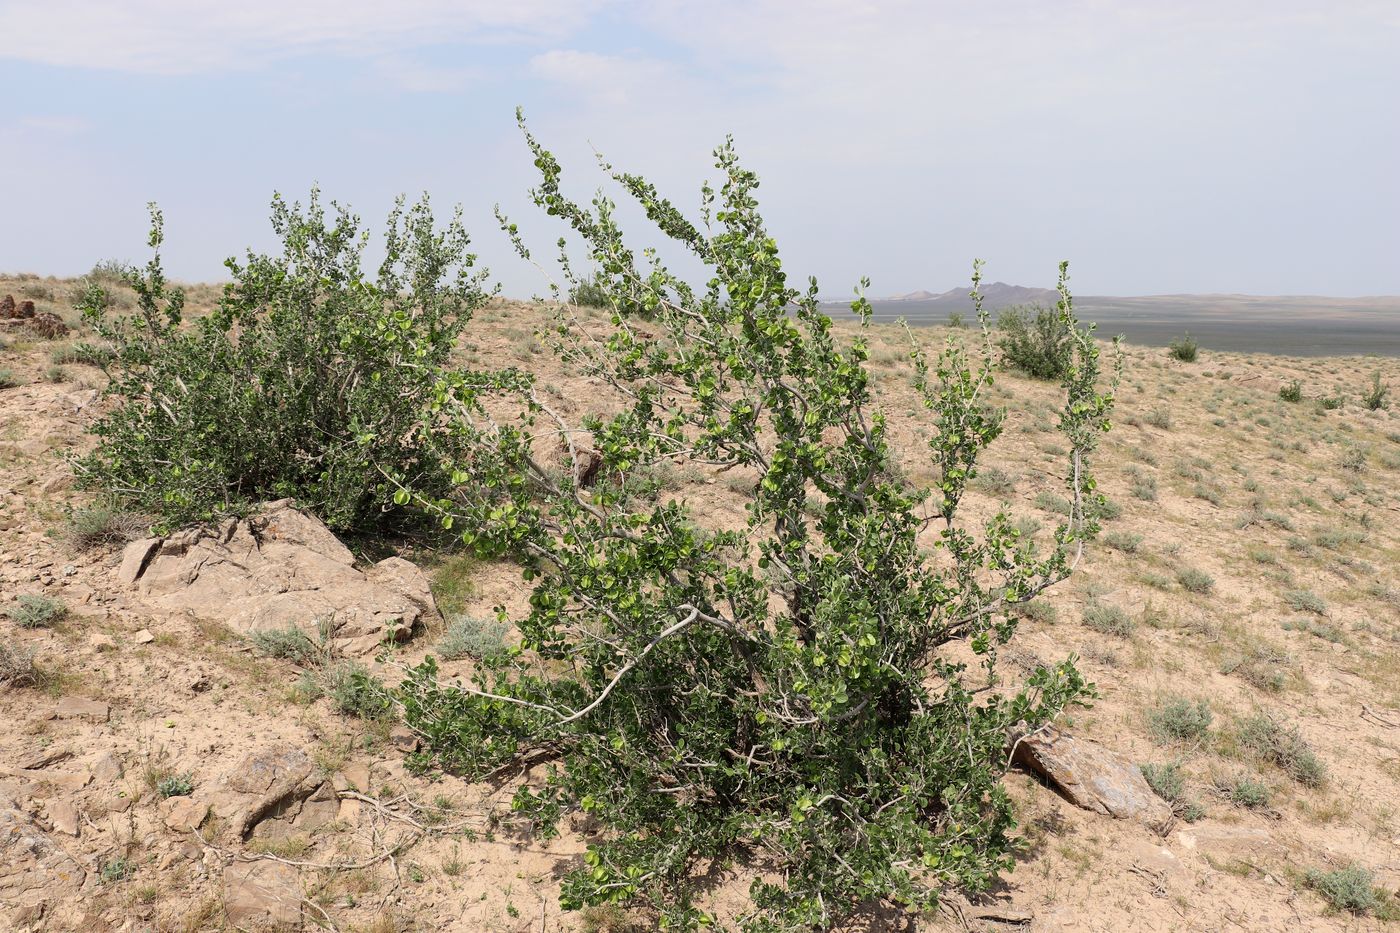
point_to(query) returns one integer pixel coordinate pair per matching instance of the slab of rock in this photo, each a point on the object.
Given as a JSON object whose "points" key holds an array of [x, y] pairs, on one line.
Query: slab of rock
{"points": [[183, 814], [1093, 777], [262, 892], [1226, 840], [279, 569], [274, 793], [64, 817], [35, 872], [82, 708]]}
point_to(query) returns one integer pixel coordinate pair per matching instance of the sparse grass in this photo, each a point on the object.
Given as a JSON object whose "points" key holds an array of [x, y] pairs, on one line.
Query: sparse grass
{"points": [[32, 611], [452, 583], [1167, 782], [103, 524], [1283, 746], [1244, 791], [1159, 418], [1180, 720], [1125, 541], [1306, 601], [1260, 666]]}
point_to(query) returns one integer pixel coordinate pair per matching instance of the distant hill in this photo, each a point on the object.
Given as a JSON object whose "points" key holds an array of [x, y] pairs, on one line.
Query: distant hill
{"points": [[995, 296]]}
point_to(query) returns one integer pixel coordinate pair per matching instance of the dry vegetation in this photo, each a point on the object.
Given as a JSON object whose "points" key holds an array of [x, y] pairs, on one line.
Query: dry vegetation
{"points": [[1239, 614]]}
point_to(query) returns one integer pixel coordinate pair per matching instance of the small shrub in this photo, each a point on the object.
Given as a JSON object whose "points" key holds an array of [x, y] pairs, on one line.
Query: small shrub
{"points": [[115, 870], [37, 611], [1126, 541], [468, 637], [289, 644], [1244, 791], [590, 292], [8, 380], [1040, 611], [1108, 619], [176, 785], [1352, 458], [1292, 392], [1167, 782], [1184, 348], [1036, 341], [1180, 720], [1260, 666], [1145, 488], [355, 692], [103, 524], [1195, 581], [55, 374], [1351, 889], [1377, 396], [1052, 503], [1329, 402], [1324, 630], [955, 320], [1306, 601], [995, 481], [17, 667], [1284, 747], [1159, 418]]}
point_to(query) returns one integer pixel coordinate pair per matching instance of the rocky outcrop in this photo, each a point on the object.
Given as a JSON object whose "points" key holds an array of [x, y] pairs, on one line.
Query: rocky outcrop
{"points": [[37, 875], [279, 568], [1092, 777]]}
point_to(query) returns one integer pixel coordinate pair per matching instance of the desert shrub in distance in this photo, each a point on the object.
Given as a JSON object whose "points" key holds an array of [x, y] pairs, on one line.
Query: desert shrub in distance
{"points": [[1184, 348], [1036, 341]]}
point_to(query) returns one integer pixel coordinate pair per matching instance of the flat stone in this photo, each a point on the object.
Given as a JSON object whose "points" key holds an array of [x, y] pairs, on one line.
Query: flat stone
{"points": [[101, 641], [82, 708], [1226, 840], [64, 817], [183, 814], [262, 892], [134, 558], [143, 637]]}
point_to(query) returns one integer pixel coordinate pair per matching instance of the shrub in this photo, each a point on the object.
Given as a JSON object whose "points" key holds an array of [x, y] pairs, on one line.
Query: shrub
{"points": [[1180, 720], [762, 689], [1352, 458], [468, 637], [1126, 541], [17, 667], [1283, 746], [176, 785], [1291, 392], [310, 379], [1168, 783], [1377, 396], [8, 380], [590, 292], [1244, 791], [1351, 889], [1260, 666], [1159, 418], [955, 320], [37, 611], [1330, 402], [1108, 619], [1306, 601], [289, 644], [1036, 341], [995, 481], [1184, 349], [1195, 581], [355, 692], [104, 524]]}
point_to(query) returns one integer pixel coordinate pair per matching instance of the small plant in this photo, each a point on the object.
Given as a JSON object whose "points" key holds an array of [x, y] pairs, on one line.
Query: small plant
{"points": [[1352, 458], [1126, 541], [1040, 611], [103, 524], [1306, 601], [17, 667], [1145, 487], [115, 870], [176, 785], [1260, 666], [37, 611], [590, 292], [356, 692], [1167, 782], [1330, 402], [1184, 348], [1036, 341], [1180, 720], [469, 637], [1108, 619], [1283, 746], [1159, 418], [1195, 581], [955, 320], [289, 644], [1291, 392], [1377, 396], [55, 374], [995, 481], [1351, 889], [1244, 791], [8, 380]]}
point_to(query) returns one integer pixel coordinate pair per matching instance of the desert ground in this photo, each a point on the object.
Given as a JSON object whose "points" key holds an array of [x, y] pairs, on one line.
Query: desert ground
{"points": [[1244, 584]]}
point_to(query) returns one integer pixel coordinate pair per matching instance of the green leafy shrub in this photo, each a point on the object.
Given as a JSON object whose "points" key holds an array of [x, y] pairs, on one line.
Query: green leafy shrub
{"points": [[176, 785], [1180, 720], [1244, 791], [32, 611], [1330, 402], [1284, 746], [1036, 341], [774, 692], [1377, 397], [955, 320], [309, 380], [590, 292], [1291, 392], [1184, 349]]}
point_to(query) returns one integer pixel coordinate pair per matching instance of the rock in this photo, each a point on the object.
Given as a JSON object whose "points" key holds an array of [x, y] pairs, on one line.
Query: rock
{"points": [[26, 309], [107, 768], [403, 738], [1093, 777], [7, 307], [35, 872], [47, 325], [279, 569], [1226, 840], [143, 637], [183, 814], [82, 708], [280, 795], [101, 641], [262, 892], [64, 817]]}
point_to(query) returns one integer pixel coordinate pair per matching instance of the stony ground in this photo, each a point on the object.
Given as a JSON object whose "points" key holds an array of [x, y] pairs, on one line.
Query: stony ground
{"points": [[161, 772]]}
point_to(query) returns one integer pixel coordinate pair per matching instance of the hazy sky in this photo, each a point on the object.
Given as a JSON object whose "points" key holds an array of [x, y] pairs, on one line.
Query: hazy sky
{"points": [[1179, 146]]}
